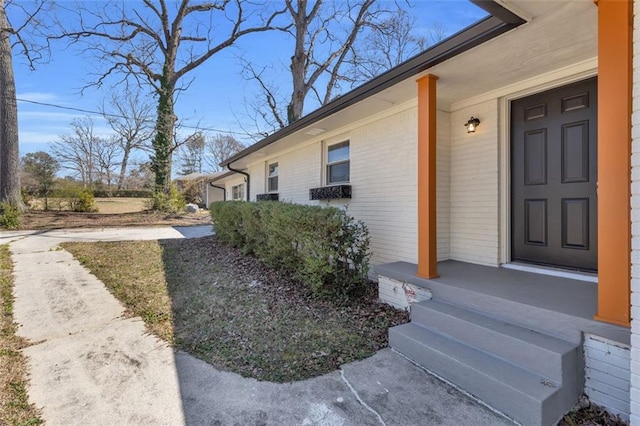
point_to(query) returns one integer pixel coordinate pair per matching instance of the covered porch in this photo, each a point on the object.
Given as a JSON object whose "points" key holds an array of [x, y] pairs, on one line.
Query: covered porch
{"points": [[465, 205]]}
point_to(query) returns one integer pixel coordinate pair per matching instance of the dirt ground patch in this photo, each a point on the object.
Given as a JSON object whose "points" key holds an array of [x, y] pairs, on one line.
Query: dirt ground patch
{"points": [[62, 220], [229, 310]]}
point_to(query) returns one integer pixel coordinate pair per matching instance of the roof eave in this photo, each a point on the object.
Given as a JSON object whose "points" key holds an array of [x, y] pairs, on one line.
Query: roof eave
{"points": [[500, 21]]}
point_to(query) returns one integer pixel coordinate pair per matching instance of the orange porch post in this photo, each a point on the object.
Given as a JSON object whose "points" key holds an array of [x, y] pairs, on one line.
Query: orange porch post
{"points": [[615, 20], [427, 239]]}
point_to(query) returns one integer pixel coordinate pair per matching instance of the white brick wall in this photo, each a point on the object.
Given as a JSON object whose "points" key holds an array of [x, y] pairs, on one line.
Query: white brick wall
{"points": [[383, 179], [474, 175], [299, 171], [635, 224], [443, 182], [258, 177], [607, 374]]}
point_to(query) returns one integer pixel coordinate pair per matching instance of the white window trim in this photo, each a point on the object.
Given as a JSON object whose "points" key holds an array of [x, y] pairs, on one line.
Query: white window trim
{"points": [[277, 176], [327, 164], [241, 192]]}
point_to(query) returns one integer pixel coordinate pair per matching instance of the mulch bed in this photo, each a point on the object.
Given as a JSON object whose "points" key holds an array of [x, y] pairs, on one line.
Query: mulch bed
{"points": [[588, 414], [287, 309]]}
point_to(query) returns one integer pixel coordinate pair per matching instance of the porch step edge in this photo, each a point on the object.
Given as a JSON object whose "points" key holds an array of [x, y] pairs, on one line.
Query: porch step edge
{"points": [[527, 397], [540, 353]]}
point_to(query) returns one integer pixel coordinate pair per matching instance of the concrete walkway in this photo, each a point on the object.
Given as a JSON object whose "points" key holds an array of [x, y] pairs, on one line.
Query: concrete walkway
{"points": [[91, 366]]}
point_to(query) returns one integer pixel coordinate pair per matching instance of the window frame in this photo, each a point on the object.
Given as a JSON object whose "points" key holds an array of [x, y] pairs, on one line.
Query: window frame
{"points": [[271, 178], [240, 192], [329, 165]]}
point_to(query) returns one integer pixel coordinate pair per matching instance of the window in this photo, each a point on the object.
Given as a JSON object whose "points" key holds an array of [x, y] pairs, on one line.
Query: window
{"points": [[272, 178], [338, 163], [237, 192]]}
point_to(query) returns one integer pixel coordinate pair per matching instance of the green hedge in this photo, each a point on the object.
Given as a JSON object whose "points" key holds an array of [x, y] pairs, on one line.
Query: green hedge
{"points": [[323, 247]]}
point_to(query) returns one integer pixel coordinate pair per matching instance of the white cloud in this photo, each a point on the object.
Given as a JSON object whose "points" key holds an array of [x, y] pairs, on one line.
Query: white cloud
{"points": [[48, 134], [27, 137], [48, 116], [38, 96]]}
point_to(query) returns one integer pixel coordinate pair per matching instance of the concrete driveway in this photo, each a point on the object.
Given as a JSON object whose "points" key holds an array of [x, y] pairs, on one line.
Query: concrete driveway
{"points": [[91, 366]]}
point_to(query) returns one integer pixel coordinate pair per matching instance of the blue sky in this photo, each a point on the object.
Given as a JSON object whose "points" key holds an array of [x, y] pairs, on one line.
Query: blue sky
{"points": [[215, 99]]}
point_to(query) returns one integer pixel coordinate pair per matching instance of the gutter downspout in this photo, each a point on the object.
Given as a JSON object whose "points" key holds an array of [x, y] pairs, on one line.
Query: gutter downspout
{"points": [[224, 190], [248, 179]]}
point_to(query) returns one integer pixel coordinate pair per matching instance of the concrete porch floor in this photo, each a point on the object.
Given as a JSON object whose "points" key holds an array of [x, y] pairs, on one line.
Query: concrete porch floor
{"points": [[561, 306]]}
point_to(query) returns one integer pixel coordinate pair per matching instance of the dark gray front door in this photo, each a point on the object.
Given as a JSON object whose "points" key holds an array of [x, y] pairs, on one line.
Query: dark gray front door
{"points": [[553, 177]]}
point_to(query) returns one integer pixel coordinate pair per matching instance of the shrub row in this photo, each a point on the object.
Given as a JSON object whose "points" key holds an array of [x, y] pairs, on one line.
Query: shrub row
{"points": [[323, 247]]}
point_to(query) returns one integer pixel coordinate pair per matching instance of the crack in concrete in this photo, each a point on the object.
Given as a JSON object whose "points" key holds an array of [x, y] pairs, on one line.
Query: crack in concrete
{"points": [[364, 404]]}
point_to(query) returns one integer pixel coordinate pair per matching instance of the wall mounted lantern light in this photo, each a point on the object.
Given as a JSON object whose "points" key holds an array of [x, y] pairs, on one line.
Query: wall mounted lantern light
{"points": [[472, 124]]}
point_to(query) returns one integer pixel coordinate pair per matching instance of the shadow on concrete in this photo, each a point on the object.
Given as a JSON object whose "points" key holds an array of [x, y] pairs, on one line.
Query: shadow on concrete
{"points": [[196, 231]]}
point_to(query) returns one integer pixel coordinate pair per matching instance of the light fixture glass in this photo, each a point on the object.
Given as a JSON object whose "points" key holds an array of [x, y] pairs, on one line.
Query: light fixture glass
{"points": [[472, 124]]}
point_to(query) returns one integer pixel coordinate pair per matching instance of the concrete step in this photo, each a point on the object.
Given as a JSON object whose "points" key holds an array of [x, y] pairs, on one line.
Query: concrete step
{"points": [[540, 353], [527, 397]]}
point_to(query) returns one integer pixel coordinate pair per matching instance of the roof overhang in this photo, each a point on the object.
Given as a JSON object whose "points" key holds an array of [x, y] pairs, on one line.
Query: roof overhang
{"points": [[202, 176], [222, 177], [500, 21], [494, 53]]}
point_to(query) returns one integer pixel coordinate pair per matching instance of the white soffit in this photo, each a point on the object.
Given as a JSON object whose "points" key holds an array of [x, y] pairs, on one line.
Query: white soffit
{"points": [[559, 34]]}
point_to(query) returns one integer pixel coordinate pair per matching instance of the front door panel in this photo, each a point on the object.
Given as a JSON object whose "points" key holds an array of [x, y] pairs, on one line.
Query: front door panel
{"points": [[553, 177]]}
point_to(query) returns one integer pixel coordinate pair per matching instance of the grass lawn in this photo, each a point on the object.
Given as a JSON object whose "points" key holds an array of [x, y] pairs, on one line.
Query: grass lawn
{"points": [[61, 220], [14, 405], [121, 205], [109, 205], [229, 310]]}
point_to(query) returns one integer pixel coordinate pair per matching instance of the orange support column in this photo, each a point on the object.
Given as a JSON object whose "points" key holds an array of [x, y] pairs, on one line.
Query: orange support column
{"points": [[615, 20], [427, 239]]}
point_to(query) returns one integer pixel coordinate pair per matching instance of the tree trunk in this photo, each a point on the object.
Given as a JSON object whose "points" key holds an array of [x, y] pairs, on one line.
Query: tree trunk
{"points": [[161, 160], [298, 65], [9, 148], [123, 168]]}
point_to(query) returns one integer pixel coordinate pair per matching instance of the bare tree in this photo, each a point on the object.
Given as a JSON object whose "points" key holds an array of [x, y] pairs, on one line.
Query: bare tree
{"points": [[323, 34], [14, 37], [192, 154], [140, 177], [337, 45], [391, 42], [107, 155], [130, 116], [77, 152], [219, 148], [150, 43]]}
